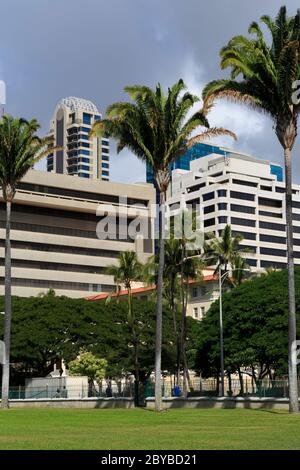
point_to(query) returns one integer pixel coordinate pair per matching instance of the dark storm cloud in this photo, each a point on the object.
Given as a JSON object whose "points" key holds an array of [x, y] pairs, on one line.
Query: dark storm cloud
{"points": [[50, 49]]}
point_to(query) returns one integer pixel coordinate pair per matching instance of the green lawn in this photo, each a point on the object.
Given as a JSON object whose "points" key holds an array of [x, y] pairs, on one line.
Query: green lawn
{"points": [[142, 429]]}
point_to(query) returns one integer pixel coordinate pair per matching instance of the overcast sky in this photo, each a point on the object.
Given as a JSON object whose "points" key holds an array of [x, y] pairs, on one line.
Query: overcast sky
{"points": [[50, 49]]}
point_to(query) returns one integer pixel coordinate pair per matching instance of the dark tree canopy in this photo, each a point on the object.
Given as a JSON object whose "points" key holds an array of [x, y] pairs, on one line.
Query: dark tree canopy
{"points": [[47, 328], [255, 317]]}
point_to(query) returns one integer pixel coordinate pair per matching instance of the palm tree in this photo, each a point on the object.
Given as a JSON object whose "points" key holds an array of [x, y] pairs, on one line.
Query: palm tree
{"points": [[128, 270], [20, 149], [268, 73], [155, 127], [224, 251], [172, 269], [191, 269], [239, 267]]}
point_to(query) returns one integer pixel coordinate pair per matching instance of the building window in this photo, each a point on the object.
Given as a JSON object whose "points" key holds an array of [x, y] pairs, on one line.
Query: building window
{"points": [[85, 144], [105, 172], [105, 165], [195, 292], [246, 222], [244, 183], [105, 157], [272, 226], [263, 201], [266, 188], [105, 142], [208, 196], [209, 222], [97, 118], [105, 150], [222, 206], [272, 264], [272, 252], [202, 309], [222, 219], [86, 118], [244, 196], [84, 137], [245, 209], [251, 262], [272, 239], [222, 193], [84, 152], [246, 235], [209, 209], [85, 129], [270, 214], [195, 312]]}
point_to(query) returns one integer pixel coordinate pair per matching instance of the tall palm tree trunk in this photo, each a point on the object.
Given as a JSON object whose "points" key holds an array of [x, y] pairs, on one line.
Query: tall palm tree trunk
{"points": [[176, 335], [158, 339], [293, 386], [8, 313], [131, 321]]}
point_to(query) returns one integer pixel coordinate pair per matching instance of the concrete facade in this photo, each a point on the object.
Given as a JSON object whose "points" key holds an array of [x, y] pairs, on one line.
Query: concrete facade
{"points": [[53, 233], [246, 193]]}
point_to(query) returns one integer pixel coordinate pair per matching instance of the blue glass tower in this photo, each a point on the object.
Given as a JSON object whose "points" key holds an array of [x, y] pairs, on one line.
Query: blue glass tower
{"points": [[202, 150], [183, 162]]}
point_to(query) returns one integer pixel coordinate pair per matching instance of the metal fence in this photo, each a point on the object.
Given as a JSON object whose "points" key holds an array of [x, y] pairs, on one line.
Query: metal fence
{"points": [[198, 388], [210, 388], [49, 392]]}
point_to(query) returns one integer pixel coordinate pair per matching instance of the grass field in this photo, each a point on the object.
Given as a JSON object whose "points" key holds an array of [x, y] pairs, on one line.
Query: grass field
{"points": [[142, 429]]}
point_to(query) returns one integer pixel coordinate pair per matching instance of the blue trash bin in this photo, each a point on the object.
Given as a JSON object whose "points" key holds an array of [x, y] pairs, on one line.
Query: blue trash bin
{"points": [[176, 391]]}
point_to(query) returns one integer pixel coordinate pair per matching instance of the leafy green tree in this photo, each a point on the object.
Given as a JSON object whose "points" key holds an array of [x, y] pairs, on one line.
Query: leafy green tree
{"points": [[157, 129], [255, 319], [89, 365], [20, 149], [268, 71], [48, 328]]}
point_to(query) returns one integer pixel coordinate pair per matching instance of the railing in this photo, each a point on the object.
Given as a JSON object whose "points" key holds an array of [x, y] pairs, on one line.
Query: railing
{"points": [[210, 388], [69, 392], [198, 388]]}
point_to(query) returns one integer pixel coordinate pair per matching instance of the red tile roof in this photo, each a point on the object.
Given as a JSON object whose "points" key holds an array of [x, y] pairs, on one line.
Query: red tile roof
{"points": [[140, 290]]}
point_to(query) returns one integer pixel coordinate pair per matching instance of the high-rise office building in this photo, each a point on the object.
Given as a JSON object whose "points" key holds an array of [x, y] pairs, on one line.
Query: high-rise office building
{"points": [[246, 193], [55, 227], [81, 154], [202, 150]]}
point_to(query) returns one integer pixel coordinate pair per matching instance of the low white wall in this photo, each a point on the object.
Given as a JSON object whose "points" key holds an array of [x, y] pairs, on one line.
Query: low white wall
{"points": [[230, 403], [73, 403]]}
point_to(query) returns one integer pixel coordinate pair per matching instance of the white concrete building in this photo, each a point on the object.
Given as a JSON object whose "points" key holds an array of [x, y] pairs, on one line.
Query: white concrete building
{"points": [[53, 233], [81, 155], [246, 193]]}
